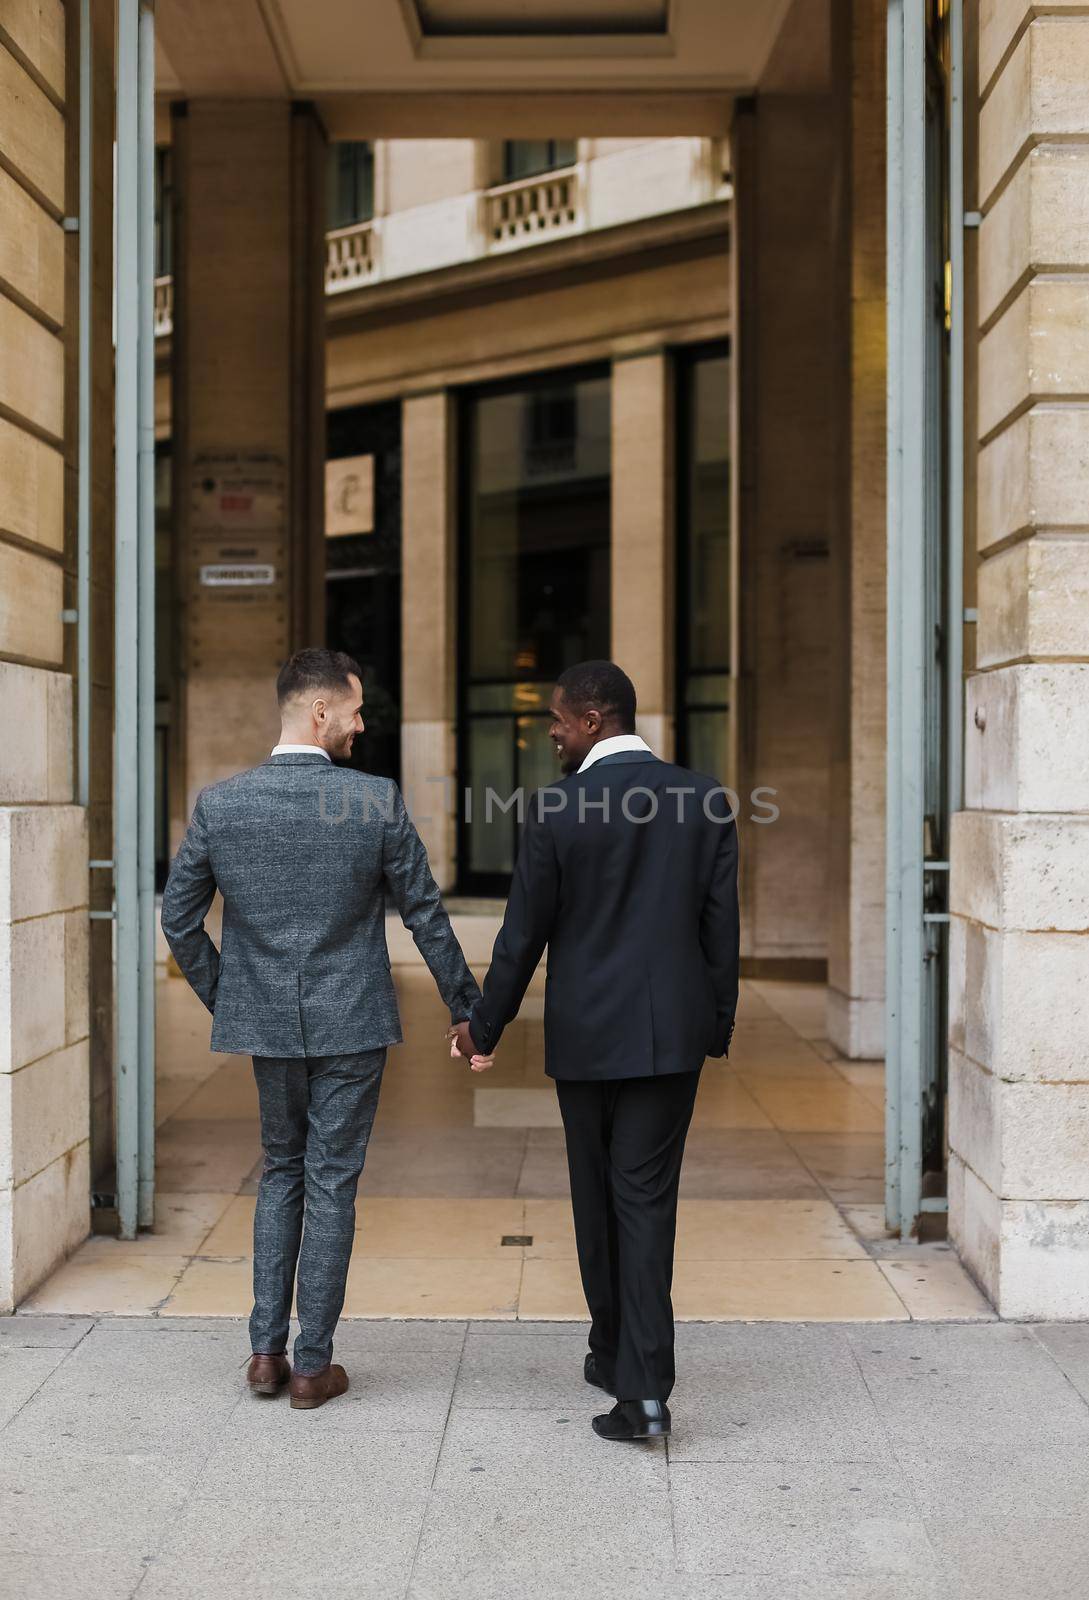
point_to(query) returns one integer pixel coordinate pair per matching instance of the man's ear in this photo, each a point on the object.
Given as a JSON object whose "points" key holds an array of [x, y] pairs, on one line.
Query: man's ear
{"points": [[593, 721]]}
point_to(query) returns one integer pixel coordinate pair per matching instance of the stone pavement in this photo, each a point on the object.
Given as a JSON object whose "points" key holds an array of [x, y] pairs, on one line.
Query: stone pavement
{"points": [[862, 1461]]}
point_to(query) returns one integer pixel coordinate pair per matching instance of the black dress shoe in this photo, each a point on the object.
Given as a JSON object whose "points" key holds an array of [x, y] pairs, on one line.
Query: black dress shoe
{"points": [[635, 1419], [594, 1374]]}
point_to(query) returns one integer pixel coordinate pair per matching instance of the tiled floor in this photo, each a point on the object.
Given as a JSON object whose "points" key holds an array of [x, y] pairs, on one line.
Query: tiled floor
{"points": [[781, 1215]]}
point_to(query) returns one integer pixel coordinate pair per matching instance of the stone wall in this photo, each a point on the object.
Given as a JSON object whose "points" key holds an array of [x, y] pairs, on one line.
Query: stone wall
{"points": [[856, 861], [44, 1060], [1019, 1029]]}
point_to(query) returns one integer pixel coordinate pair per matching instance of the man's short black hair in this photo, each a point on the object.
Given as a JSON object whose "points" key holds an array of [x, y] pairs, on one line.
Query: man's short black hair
{"points": [[309, 672], [602, 685]]}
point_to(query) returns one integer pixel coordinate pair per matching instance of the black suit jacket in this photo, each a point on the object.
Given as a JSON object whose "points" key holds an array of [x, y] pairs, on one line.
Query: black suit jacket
{"points": [[628, 873]]}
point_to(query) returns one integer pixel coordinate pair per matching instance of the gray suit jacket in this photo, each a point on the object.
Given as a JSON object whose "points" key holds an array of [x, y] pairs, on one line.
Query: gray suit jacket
{"points": [[304, 854]]}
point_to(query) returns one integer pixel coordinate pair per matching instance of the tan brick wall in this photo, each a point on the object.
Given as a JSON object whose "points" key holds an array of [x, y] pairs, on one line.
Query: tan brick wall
{"points": [[44, 1051]]}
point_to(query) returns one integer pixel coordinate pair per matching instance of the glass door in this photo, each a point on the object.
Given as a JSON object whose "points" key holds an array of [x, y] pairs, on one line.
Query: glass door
{"points": [[534, 593]]}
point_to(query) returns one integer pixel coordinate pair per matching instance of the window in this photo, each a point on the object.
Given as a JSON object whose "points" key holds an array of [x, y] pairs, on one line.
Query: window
{"points": [[164, 212], [363, 569], [528, 158], [534, 591], [351, 184], [703, 549]]}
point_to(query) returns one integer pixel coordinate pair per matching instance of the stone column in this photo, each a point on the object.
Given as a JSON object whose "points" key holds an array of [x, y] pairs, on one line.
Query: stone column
{"points": [[856, 842], [428, 626], [790, 346], [643, 550], [1019, 1026], [44, 1059], [248, 423]]}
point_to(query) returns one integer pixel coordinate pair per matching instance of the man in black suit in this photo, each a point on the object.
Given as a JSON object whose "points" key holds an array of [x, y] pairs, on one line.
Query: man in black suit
{"points": [[627, 871]]}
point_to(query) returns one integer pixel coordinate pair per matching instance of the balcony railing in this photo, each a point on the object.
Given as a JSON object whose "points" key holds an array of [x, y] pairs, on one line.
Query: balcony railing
{"points": [[532, 210], [618, 187], [351, 257]]}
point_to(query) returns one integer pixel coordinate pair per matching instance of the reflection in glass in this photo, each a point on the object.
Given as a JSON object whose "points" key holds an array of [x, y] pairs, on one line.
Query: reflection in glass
{"points": [[536, 587], [703, 539], [350, 197], [528, 158]]}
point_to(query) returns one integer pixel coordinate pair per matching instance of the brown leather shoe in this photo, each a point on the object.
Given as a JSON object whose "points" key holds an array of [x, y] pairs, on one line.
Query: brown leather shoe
{"points": [[312, 1389], [268, 1374]]}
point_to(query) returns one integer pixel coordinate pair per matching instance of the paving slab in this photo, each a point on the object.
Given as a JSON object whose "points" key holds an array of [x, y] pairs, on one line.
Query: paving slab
{"points": [[1050, 1483], [521, 1492], [316, 1459], [95, 1576], [1067, 1343], [976, 1387], [43, 1332], [792, 1517], [23, 1371], [117, 1393], [540, 1371], [530, 1328], [361, 1545], [1010, 1559], [794, 1395], [88, 1503]]}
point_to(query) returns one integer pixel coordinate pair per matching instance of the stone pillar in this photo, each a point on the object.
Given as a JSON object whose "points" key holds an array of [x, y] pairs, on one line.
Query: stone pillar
{"points": [[856, 844], [428, 626], [248, 423], [1019, 1025], [643, 550], [44, 1060], [790, 347]]}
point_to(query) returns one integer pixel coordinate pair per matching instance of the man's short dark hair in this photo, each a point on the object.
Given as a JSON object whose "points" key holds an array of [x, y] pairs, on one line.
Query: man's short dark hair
{"points": [[601, 685], [310, 672]]}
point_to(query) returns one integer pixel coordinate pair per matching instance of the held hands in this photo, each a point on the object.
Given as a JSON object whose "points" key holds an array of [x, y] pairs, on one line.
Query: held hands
{"points": [[461, 1044]]}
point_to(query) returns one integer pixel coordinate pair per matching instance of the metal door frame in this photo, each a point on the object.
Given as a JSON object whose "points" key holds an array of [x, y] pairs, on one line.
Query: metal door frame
{"points": [[907, 868], [134, 618]]}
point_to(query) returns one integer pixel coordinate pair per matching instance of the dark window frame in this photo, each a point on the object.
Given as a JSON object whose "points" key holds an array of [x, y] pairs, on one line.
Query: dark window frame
{"points": [[552, 162], [494, 884], [362, 178], [685, 359]]}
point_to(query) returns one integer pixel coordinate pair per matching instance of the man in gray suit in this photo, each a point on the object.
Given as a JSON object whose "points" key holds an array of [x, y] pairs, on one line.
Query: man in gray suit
{"points": [[304, 854]]}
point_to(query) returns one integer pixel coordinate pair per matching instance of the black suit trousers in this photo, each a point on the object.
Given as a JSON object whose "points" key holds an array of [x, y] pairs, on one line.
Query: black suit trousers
{"points": [[625, 1141]]}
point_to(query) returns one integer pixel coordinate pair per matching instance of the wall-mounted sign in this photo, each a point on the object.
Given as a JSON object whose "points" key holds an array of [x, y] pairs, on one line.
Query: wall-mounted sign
{"points": [[237, 575], [237, 493], [237, 559], [349, 496]]}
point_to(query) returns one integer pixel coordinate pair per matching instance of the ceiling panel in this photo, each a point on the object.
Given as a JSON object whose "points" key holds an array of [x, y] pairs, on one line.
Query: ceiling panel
{"points": [[314, 48]]}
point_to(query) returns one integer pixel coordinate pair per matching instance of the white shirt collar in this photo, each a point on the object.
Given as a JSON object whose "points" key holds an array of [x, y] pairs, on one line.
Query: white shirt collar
{"points": [[610, 747], [301, 750]]}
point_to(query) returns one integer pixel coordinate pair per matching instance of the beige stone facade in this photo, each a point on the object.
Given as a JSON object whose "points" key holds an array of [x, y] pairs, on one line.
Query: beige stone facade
{"points": [[45, 1078], [1019, 1032]]}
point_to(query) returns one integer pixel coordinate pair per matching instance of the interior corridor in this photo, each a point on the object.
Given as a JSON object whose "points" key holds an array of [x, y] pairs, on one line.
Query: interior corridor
{"points": [[464, 1209]]}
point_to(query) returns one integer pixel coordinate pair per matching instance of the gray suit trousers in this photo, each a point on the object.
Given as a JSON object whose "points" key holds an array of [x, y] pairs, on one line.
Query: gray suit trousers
{"points": [[316, 1119]]}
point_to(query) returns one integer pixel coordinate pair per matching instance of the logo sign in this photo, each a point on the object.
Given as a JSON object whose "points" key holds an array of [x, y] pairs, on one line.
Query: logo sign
{"points": [[238, 575], [349, 496]]}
